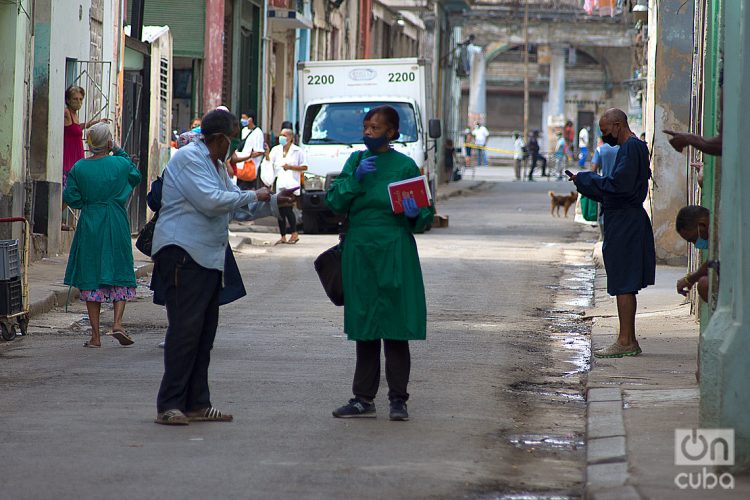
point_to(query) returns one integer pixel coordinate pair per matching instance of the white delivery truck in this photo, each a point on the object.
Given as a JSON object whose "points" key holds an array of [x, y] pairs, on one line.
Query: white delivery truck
{"points": [[334, 97]]}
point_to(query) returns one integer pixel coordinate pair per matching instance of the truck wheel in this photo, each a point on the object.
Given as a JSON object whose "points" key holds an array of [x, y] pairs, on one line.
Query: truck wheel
{"points": [[310, 223]]}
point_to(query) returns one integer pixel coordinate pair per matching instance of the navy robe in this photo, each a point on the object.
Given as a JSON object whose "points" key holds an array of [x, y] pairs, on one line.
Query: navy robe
{"points": [[629, 253]]}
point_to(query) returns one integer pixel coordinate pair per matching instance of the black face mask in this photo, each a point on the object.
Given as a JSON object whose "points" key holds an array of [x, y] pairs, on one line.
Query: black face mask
{"points": [[610, 139]]}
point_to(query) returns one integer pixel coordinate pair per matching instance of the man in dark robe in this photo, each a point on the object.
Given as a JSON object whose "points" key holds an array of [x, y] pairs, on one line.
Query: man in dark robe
{"points": [[629, 254]]}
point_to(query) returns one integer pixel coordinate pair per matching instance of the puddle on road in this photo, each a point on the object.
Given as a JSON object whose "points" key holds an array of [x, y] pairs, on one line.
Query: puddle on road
{"points": [[542, 442], [561, 383]]}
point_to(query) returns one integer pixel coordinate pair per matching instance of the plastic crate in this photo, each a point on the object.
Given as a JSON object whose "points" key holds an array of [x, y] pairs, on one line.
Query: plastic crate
{"points": [[10, 296], [9, 263]]}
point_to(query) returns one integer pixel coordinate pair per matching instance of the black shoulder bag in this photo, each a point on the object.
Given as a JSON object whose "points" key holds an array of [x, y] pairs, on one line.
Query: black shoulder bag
{"points": [[328, 266], [145, 238]]}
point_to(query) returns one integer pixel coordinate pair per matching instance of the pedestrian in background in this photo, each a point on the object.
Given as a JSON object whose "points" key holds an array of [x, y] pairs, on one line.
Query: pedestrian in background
{"points": [[533, 148], [519, 154], [629, 254], [189, 251], [481, 134], [560, 156], [382, 278], [247, 159], [448, 164], [602, 163], [288, 161], [468, 141], [583, 147], [100, 264]]}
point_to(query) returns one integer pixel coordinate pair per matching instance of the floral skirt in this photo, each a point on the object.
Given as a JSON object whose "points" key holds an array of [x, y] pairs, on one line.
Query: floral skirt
{"points": [[108, 294]]}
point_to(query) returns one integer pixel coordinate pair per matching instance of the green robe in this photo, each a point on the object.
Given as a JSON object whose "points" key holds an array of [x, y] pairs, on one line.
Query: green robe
{"points": [[102, 252], [383, 288]]}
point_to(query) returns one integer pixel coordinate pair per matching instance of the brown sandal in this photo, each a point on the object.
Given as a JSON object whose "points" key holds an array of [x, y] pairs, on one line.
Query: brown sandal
{"points": [[172, 417], [208, 415], [122, 337]]}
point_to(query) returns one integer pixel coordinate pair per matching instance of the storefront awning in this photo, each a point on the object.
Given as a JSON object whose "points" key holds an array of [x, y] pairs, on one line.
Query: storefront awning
{"points": [[288, 19]]}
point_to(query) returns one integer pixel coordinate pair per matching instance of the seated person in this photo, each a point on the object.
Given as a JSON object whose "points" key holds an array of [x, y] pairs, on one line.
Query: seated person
{"points": [[692, 223]]}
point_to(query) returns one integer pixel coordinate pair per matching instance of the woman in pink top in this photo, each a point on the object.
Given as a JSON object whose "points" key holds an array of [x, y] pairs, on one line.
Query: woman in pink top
{"points": [[73, 133]]}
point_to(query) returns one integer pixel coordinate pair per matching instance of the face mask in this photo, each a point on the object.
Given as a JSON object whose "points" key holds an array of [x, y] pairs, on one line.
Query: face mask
{"points": [[375, 143], [245, 123], [282, 140], [701, 244], [610, 139]]}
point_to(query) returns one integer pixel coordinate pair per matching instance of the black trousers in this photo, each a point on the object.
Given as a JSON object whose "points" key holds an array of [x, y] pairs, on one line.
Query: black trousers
{"points": [[247, 185], [192, 299], [397, 368], [534, 159], [286, 214]]}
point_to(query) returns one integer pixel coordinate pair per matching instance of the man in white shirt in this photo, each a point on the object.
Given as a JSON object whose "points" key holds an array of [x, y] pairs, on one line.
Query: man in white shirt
{"points": [[518, 153], [289, 162], [252, 151], [583, 147], [481, 134]]}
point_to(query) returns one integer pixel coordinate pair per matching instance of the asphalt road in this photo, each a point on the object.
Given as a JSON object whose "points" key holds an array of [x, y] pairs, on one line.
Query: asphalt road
{"points": [[496, 389]]}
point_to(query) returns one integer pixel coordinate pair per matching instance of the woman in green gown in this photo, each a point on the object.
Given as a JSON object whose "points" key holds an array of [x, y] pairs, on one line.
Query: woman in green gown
{"points": [[382, 278], [101, 257]]}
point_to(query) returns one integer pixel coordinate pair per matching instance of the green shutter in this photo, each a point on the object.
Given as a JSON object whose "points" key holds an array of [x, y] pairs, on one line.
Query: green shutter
{"points": [[186, 20]]}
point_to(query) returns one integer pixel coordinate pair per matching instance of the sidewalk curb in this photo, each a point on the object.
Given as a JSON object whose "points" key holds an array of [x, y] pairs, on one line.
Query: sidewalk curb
{"points": [[606, 471], [479, 185], [59, 294]]}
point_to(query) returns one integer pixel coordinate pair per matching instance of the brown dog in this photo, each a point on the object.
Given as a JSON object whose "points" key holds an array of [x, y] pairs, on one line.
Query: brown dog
{"points": [[564, 201]]}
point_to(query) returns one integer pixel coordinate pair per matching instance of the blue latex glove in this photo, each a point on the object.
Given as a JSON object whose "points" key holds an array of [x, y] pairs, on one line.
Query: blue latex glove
{"points": [[366, 166], [411, 210]]}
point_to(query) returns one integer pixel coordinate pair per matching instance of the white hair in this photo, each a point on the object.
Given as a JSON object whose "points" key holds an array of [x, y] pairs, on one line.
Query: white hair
{"points": [[98, 138], [286, 130]]}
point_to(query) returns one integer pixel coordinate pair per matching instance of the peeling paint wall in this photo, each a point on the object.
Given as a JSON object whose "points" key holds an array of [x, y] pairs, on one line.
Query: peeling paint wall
{"points": [[670, 52], [14, 34]]}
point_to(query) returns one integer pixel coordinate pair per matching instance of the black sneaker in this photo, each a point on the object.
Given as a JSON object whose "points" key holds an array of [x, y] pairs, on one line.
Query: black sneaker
{"points": [[398, 410], [355, 408]]}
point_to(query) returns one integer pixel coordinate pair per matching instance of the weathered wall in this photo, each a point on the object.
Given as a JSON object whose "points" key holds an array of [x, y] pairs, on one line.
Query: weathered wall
{"points": [[670, 51], [14, 35]]}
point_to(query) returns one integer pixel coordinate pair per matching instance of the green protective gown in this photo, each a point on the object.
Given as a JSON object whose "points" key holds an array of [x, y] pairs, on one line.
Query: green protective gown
{"points": [[102, 252], [383, 289]]}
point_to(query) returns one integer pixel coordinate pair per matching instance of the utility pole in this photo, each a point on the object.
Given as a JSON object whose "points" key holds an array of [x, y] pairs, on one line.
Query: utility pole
{"points": [[526, 70]]}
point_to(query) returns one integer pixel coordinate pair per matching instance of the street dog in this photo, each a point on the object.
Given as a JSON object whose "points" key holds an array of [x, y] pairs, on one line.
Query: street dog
{"points": [[564, 201]]}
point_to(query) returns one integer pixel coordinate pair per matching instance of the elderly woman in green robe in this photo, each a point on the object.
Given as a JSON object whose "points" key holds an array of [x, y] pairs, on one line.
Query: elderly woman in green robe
{"points": [[101, 257], [383, 289]]}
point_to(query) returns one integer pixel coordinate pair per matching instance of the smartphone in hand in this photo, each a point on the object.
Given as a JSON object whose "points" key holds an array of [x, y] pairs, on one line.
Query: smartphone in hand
{"points": [[569, 174]]}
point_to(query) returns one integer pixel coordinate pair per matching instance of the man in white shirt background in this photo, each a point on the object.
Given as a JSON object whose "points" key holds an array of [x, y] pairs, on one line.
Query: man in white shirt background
{"points": [[518, 153], [481, 134], [289, 162], [583, 147], [252, 150]]}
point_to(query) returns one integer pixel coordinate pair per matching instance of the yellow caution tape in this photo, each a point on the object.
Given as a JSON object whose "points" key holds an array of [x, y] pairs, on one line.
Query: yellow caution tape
{"points": [[475, 146]]}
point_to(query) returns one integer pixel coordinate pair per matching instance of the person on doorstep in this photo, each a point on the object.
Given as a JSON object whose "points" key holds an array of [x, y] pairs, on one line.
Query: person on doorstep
{"points": [[692, 224], [382, 278]]}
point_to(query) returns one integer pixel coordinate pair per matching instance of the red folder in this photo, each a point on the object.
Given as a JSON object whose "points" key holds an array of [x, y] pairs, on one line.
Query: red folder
{"points": [[415, 187]]}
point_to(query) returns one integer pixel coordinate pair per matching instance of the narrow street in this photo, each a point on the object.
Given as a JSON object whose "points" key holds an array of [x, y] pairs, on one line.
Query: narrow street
{"points": [[496, 391]]}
